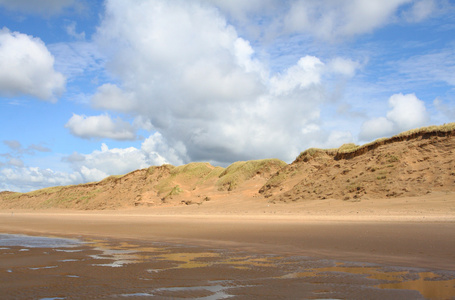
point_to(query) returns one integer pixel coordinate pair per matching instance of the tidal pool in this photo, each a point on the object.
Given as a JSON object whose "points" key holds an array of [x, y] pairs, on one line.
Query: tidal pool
{"points": [[58, 268], [28, 241]]}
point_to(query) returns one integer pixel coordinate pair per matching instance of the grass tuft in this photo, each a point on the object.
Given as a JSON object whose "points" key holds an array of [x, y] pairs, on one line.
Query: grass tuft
{"points": [[241, 171]]}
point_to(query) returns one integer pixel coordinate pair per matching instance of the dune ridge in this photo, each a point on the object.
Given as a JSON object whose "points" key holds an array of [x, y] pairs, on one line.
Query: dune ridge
{"points": [[410, 164]]}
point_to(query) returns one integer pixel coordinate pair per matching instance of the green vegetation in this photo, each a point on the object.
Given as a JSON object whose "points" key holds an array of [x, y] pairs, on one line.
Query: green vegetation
{"points": [[45, 191], [346, 148], [192, 173], [350, 148], [441, 128], [430, 129], [314, 152], [111, 178], [69, 198], [276, 179], [392, 158], [151, 170], [175, 191], [240, 171]]}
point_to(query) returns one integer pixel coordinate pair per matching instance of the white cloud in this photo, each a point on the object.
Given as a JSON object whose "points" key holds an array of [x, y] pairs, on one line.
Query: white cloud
{"points": [[71, 30], [42, 7], [102, 163], [420, 10], [100, 127], [27, 67], [159, 152], [95, 166], [197, 82], [407, 112], [16, 162], [344, 66], [323, 19], [203, 88], [337, 138], [307, 72], [375, 128], [110, 96], [335, 20], [25, 179]]}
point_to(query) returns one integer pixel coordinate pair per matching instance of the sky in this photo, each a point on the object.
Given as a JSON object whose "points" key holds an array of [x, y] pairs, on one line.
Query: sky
{"points": [[92, 88]]}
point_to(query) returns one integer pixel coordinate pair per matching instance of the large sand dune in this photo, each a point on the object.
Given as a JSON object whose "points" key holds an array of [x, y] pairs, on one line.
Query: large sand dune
{"points": [[418, 164]]}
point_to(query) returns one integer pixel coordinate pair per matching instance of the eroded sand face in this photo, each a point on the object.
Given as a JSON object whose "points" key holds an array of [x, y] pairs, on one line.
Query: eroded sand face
{"points": [[133, 269]]}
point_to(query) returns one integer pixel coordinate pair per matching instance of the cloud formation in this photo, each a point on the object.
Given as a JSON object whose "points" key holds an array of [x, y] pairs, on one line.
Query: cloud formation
{"points": [[15, 175], [407, 112], [23, 179], [27, 67], [216, 80], [100, 127], [104, 162], [202, 87], [324, 19]]}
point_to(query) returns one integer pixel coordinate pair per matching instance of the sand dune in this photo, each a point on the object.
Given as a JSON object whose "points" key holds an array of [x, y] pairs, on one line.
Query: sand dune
{"points": [[416, 163]]}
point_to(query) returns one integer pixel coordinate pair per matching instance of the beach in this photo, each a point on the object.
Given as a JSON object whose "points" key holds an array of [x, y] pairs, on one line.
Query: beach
{"points": [[348, 255]]}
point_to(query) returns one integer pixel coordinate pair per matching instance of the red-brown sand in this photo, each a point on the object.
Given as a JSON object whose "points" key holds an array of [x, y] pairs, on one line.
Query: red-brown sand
{"points": [[338, 230], [377, 249]]}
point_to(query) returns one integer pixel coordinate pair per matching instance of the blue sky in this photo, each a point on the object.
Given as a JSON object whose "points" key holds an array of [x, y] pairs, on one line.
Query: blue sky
{"points": [[94, 88]]}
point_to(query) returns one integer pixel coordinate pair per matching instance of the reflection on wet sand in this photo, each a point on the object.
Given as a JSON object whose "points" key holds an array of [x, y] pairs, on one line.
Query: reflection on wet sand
{"points": [[430, 285], [100, 268]]}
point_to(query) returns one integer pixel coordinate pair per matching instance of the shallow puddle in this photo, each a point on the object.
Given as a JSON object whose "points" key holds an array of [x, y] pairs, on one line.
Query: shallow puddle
{"points": [[44, 267], [36, 241], [429, 284]]}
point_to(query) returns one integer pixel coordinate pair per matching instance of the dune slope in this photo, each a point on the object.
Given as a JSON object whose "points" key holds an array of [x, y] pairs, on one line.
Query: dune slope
{"points": [[413, 163]]}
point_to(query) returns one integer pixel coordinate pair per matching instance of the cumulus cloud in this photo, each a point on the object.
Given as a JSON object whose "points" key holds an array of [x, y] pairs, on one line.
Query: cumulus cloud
{"points": [[25, 179], [202, 87], [101, 126], [407, 112], [306, 73], [344, 66], [375, 128], [15, 175], [109, 96], [27, 67], [42, 7], [104, 162]]}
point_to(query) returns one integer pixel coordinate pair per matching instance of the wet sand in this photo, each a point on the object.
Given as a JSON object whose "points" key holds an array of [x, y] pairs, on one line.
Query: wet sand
{"points": [[134, 269], [139, 255], [415, 244]]}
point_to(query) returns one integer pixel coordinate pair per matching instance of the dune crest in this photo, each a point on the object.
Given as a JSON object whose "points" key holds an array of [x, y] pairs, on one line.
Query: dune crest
{"points": [[413, 163]]}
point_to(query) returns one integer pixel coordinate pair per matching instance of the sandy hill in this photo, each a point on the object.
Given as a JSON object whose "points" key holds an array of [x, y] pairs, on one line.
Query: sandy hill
{"points": [[413, 163]]}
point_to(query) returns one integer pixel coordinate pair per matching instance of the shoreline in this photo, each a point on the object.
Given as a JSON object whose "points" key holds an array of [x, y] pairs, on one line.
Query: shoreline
{"points": [[411, 241]]}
